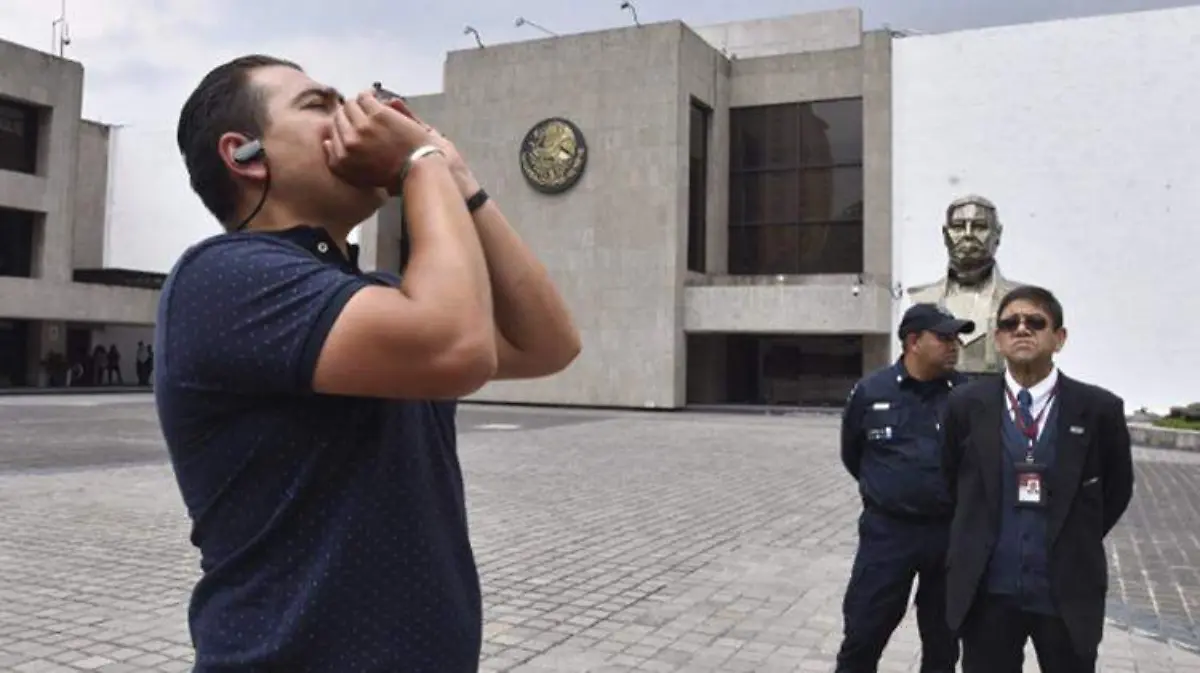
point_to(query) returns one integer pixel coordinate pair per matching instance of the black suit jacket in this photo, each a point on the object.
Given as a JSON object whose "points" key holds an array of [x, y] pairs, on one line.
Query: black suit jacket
{"points": [[1089, 488]]}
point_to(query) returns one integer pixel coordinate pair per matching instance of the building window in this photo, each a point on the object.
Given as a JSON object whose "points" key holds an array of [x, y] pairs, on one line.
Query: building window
{"points": [[17, 230], [697, 248], [796, 188], [14, 352], [18, 136]]}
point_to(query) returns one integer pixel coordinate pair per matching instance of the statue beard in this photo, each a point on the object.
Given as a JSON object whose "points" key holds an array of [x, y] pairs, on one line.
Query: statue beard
{"points": [[971, 272]]}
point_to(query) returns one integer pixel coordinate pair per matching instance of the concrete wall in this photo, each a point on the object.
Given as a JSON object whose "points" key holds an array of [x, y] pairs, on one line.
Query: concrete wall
{"points": [[616, 244], [616, 235], [861, 71], [71, 192], [35, 77], [77, 302], [1083, 134], [705, 76], [814, 31], [854, 65], [819, 303], [91, 196]]}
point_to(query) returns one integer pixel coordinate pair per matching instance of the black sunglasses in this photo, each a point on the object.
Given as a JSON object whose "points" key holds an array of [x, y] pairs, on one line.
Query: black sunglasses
{"points": [[1035, 323]]}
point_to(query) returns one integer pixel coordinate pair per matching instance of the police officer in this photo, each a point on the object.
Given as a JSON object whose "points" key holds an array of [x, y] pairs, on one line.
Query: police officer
{"points": [[891, 444]]}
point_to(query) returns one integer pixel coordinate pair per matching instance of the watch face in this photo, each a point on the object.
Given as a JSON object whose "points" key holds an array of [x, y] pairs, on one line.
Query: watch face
{"points": [[553, 155]]}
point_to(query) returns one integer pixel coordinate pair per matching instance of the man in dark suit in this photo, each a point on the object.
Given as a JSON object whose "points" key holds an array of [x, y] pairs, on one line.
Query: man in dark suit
{"points": [[1041, 469]]}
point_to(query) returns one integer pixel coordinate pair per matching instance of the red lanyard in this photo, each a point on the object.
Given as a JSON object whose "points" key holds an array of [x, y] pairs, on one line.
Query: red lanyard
{"points": [[1030, 431]]}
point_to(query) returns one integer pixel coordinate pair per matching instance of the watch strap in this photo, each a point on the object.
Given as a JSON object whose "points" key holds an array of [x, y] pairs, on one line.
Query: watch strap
{"points": [[476, 201]]}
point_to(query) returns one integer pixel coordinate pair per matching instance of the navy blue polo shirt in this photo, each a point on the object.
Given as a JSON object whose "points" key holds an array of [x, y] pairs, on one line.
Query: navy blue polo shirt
{"points": [[332, 530]]}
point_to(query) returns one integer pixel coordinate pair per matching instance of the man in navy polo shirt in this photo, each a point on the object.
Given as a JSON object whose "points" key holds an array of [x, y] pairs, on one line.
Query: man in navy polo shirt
{"points": [[891, 445], [308, 407]]}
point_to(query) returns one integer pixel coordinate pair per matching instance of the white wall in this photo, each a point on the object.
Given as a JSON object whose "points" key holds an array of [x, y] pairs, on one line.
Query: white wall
{"points": [[153, 213], [1084, 134]]}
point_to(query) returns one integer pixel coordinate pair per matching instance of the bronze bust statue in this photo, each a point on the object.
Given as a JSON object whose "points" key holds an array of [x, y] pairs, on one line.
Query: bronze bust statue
{"points": [[973, 286]]}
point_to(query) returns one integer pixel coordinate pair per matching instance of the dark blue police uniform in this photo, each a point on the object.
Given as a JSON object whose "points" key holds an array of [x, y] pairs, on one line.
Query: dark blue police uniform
{"points": [[332, 529], [891, 443]]}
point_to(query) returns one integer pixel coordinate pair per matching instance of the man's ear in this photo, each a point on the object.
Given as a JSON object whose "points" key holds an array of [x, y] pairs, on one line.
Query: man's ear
{"points": [[1061, 338], [248, 162]]}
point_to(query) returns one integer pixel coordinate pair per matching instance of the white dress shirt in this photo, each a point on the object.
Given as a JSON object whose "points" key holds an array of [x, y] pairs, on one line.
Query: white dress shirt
{"points": [[1040, 392]]}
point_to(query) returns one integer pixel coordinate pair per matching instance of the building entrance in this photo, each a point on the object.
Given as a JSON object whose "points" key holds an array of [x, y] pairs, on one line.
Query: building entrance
{"points": [[14, 353], [772, 369]]}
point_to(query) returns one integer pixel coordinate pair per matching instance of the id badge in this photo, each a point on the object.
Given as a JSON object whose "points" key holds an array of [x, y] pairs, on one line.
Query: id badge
{"points": [[1031, 485], [879, 434]]}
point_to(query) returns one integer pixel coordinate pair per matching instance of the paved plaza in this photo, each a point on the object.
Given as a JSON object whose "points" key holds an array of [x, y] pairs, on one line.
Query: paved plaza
{"points": [[606, 542]]}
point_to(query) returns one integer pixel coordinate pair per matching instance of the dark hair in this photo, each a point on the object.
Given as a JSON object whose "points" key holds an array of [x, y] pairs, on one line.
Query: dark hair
{"points": [[224, 101], [1038, 296]]}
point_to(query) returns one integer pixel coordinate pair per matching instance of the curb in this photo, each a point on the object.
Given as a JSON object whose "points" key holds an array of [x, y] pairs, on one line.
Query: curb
{"points": [[1144, 434]]}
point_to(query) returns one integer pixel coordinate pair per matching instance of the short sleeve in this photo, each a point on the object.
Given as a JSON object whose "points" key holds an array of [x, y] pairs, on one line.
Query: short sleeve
{"points": [[250, 315], [851, 432]]}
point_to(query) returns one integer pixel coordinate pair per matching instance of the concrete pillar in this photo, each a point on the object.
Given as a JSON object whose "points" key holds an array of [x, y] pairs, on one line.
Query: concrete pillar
{"points": [[877, 351], [45, 337]]}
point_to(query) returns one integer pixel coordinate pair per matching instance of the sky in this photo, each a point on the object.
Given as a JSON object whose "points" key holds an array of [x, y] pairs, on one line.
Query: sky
{"points": [[142, 58]]}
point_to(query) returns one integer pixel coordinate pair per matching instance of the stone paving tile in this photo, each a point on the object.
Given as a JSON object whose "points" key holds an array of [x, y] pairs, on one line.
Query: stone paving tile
{"points": [[1155, 555], [656, 543]]}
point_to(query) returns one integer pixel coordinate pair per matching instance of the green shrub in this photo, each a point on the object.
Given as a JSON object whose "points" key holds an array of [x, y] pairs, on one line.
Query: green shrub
{"points": [[1178, 423]]}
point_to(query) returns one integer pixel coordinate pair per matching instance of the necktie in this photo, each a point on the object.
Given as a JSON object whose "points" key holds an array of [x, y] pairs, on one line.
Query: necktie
{"points": [[1025, 408]]}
